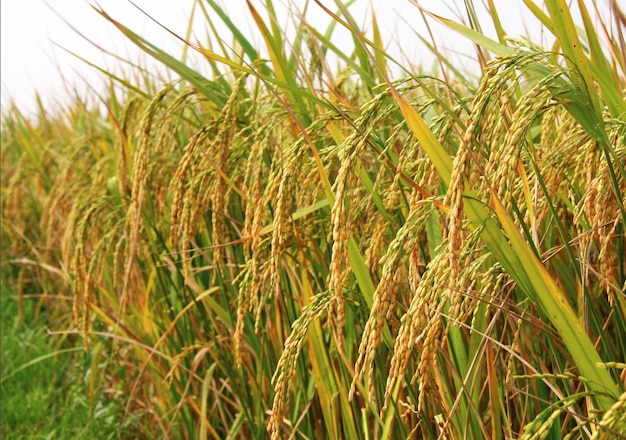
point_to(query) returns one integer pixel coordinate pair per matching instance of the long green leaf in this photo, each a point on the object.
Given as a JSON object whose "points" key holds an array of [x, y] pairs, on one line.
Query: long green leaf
{"points": [[565, 31]]}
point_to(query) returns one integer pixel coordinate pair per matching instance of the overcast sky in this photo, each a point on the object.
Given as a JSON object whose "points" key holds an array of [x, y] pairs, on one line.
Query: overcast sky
{"points": [[33, 36]]}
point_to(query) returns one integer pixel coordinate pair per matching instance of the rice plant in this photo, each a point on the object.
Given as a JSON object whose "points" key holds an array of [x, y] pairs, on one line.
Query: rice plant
{"points": [[301, 245]]}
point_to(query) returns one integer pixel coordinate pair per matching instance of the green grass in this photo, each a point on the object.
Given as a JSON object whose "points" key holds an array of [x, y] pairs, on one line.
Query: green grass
{"points": [[290, 247], [45, 388]]}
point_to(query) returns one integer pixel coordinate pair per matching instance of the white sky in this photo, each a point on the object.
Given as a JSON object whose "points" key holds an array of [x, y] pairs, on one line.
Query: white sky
{"points": [[32, 35]]}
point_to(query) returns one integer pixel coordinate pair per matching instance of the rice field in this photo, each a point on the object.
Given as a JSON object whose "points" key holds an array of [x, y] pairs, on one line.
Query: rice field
{"points": [[301, 245]]}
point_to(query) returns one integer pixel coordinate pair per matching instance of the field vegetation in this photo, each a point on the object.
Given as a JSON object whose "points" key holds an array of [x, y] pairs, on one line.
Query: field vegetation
{"points": [[295, 243]]}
